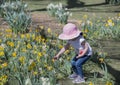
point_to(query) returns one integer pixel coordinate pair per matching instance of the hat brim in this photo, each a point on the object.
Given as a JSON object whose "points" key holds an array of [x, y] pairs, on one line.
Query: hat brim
{"points": [[63, 36]]}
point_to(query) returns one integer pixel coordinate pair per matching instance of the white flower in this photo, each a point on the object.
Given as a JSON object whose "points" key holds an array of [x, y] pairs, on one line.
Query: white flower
{"points": [[28, 82]]}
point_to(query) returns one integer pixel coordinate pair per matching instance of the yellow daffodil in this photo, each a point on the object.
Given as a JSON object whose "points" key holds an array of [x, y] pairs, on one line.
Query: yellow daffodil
{"points": [[32, 65], [108, 83], [49, 30], [10, 43], [100, 53], [3, 78], [22, 59], [67, 51], [38, 38], [106, 25], [53, 60], [91, 83], [68, 58], [0, 60], [29, 46], [2, 53], [28, 36], [85, 16], [24, 50], [84, 34], [86, 30], [1, 48], [33, 36], [22, 36], [0, 40], [42, 27], [14, 54], [101, 60], [39, 54], [110, 22], [60, 46], [8, 30], [49, 68], [8, 35], [5, 64], [35, 73]]}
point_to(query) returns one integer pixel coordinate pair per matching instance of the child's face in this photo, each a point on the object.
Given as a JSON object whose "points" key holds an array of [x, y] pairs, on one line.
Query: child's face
{"points": [[83, 43]]}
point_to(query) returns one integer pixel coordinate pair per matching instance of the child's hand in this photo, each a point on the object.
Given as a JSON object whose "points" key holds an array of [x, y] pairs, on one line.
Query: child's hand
{"points": [[55, 58], [77, 57], [81, 52]]}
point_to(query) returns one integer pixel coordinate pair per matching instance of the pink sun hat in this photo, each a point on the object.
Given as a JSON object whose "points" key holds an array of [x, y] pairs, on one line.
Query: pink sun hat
{"points": [[70, 31]]}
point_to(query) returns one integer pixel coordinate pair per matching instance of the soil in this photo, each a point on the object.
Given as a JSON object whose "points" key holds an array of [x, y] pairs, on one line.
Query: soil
{"points": [[41, 19]]}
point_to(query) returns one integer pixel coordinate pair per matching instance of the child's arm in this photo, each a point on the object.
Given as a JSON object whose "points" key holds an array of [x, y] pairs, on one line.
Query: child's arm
{"points": [[83, 51], [62, 51]]}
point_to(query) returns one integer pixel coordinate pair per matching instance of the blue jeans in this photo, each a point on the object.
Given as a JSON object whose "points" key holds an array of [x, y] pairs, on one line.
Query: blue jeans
{"points": [[77, 64]]}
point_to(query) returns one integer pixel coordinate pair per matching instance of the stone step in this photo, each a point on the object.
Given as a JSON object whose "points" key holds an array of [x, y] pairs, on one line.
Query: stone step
{"points": [[69, 82]]}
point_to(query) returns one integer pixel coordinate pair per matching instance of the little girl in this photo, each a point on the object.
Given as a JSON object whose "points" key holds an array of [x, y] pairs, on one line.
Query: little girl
{"points": [[82, 49]]}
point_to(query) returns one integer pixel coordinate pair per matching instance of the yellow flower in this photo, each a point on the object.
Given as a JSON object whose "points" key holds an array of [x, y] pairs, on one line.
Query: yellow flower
{"points": [[49, 68], [84, 35], [68, 58], [35, 72], [45, 65], [42, 27], [53, 60], [34, 52], [60, 46], [43, 39], [86, 30], [9, 35], [108, 83], [28, 36], [119, 14], [0, 40], [49, 30], [10, 43], [29, 46], [39, 54], [113, 24], [106, 25], [22, 59], [90, 83], [33, 36], [1, 48], [2, 53], [85, 16], [67, 51], [8, 30], [32, 65], [101, 60], [0, 60], [24, 50], [38, 38], [109, 21], [3, 78], [22, 36], [4, 64], [14, 54]]}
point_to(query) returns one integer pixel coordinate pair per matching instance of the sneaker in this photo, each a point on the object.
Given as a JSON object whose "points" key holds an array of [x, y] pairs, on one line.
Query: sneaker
{"points": [[79, 80], [73, 76]]}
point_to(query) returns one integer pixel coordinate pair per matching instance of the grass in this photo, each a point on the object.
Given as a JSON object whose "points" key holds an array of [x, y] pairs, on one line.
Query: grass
{"points": [[90, 8]]}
